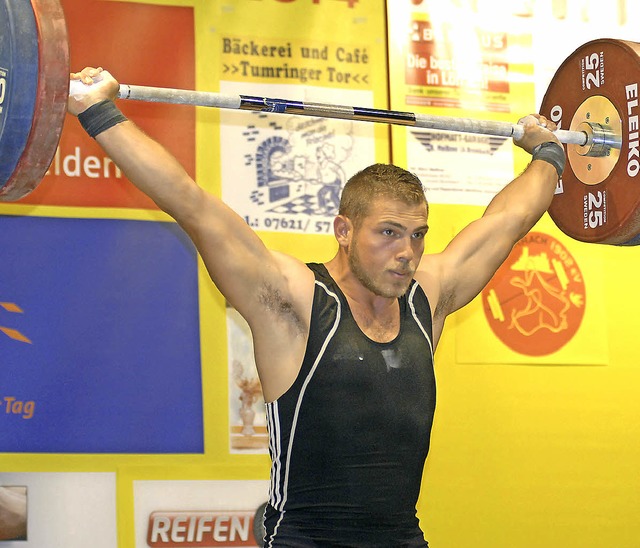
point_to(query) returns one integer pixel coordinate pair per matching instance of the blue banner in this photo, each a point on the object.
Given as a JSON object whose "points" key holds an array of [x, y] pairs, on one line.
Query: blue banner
{"points": [[99, 337]]}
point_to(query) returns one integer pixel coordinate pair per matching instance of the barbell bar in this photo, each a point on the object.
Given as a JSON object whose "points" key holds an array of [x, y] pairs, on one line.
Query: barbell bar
{"points": [[594, 93], [344, 112]]}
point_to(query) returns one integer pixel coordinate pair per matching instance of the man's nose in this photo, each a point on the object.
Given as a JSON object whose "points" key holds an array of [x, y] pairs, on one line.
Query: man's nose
{"points": [[405, 249]]}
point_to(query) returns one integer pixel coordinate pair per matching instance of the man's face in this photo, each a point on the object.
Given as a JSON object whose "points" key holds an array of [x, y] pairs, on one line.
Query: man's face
{"points": [[386, 248]]}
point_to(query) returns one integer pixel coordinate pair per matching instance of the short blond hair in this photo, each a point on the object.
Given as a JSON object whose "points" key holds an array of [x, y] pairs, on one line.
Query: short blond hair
{"points": [[376, 181]]}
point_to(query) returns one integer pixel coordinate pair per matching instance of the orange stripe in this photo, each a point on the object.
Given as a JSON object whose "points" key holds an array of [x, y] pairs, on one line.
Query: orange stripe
{"points": [[16, 335], [11, 307]]}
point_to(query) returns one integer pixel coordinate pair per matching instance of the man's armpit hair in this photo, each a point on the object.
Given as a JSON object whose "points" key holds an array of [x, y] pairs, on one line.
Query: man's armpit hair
{"points": [[442, 308], [273, 301]]}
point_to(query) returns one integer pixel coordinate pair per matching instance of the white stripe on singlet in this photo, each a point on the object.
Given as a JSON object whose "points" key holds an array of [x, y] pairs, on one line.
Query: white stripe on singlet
{"points": [[279, 498], [415, 316], [276, 450]]}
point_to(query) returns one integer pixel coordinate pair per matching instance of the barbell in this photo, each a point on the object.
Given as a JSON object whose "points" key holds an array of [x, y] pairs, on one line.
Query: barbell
{"points": [[594, 94]]}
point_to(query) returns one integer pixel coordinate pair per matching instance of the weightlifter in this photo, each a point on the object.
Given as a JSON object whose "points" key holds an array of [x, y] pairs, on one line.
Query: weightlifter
{"points": [[344, 349]]}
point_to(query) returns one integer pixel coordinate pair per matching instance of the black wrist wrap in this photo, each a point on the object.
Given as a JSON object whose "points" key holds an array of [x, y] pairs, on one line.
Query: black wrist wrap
{"points": [[552, 153], [100, 117]]}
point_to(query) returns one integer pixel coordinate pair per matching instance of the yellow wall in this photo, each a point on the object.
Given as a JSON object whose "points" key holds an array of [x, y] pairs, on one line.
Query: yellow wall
{"points": [[538, 455]]}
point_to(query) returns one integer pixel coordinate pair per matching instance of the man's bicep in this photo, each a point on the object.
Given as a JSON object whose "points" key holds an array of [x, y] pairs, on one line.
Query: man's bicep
{"points": [[235, 258], [470, 261]]}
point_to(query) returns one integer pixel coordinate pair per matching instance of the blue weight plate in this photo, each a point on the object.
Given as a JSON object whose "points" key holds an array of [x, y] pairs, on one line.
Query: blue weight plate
{"points": [[18, 81], [34, 86]]}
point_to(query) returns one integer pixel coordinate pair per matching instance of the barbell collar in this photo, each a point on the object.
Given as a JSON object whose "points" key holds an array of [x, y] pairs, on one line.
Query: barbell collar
{"points": [[601, 139]]}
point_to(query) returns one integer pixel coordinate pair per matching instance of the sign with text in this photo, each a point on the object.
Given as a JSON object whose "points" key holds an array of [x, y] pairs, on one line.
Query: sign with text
{"points": [[446, 61], [81, 174], [285, 173], [100, 338]]}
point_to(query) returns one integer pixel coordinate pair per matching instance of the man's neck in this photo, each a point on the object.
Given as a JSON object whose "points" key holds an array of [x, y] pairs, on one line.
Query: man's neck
{"points": [[357, 294]]}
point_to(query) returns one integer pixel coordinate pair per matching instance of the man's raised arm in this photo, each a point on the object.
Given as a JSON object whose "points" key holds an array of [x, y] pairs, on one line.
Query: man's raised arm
{"points": [[237, 260], [467, 264]]}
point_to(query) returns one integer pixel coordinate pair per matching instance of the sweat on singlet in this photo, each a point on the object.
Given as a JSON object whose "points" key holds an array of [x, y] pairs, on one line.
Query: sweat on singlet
{"points": [[349, 439]]}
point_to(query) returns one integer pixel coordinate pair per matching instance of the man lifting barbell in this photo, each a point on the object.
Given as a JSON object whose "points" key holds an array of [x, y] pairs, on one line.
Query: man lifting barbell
{"points": [[344, 350]]}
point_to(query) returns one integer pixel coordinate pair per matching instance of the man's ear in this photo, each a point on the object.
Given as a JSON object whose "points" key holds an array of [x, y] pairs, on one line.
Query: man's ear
{"points": [[343, 230]]}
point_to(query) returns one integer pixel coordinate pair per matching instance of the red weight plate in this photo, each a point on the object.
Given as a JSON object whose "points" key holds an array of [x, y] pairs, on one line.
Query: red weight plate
{"points": [[50, 107], [599, 198]]}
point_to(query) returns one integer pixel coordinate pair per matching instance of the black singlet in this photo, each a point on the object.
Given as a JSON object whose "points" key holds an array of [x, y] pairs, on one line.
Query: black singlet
{"points": [[349, 439]]}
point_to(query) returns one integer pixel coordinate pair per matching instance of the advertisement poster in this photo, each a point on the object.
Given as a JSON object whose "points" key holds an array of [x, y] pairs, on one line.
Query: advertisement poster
{"points": [[445, 62], [539, 308], [215, 513], [83, 514]]}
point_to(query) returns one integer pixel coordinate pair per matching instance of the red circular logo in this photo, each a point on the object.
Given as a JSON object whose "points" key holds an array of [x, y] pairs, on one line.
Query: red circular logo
{"points": [[535, 301]]}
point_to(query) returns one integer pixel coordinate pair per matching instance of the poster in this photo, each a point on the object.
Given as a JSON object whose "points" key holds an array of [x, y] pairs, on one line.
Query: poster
{"points": [[445, 62]]}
